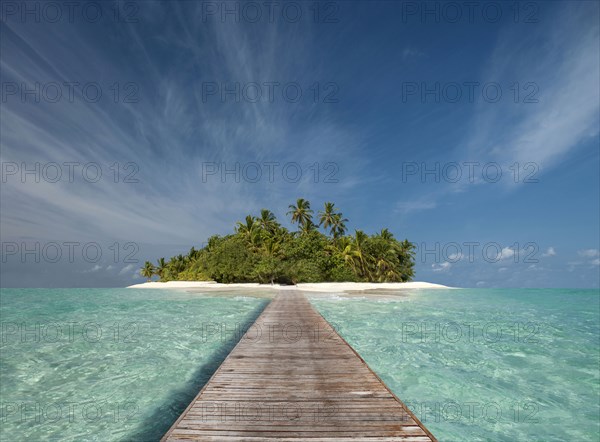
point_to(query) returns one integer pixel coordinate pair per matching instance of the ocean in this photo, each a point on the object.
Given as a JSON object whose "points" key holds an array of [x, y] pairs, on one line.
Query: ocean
{"points": [[472, 364]]}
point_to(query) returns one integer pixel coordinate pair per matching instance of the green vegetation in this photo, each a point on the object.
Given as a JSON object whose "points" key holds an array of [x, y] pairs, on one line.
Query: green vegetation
{"points": [[261, 250]]}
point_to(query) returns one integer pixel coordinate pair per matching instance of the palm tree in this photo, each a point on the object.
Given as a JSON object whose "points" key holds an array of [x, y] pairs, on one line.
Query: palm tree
{"points": [[326, 216], [408, 247], [348, 255], [176, 265], [272, 247], [386, 234], [148, 270], [355, 255], [358, 243], [193, 253], [267, 221], [302, 214], [330, 217], [250, 231], [406, 256], [342, 243], [338, 226], [161, 268], [384, 250], [248, 228]]}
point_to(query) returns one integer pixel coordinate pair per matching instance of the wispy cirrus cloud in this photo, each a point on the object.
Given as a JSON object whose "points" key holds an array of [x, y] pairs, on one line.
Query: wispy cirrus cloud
{"points": [[558, 65], [169, 132], [418, 205]]}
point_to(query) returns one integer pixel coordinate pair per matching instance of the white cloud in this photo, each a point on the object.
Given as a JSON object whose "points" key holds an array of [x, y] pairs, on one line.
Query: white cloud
{"points": [[128, 268], [592, 254], [506, 253], [589, 253], [455, 256], [502, 269], [549, 252], [443, 267]]}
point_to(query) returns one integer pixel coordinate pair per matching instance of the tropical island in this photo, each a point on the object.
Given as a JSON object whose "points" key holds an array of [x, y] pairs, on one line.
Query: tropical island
{"points": [[262, 251]]}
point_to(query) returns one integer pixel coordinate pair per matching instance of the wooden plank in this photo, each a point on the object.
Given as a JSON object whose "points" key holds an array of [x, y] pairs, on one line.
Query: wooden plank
{"points": [[292, 377]]}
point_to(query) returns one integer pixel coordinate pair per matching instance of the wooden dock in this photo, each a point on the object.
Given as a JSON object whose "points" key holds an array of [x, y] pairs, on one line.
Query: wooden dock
{"points": [[293, 378]]}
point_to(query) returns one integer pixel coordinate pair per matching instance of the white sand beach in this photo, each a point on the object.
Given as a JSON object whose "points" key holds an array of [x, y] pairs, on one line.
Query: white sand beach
{"points": [[322, 287]]}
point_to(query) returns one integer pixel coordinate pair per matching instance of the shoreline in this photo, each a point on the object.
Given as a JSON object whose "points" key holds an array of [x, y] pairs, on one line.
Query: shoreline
{"points": [[322, 287]]}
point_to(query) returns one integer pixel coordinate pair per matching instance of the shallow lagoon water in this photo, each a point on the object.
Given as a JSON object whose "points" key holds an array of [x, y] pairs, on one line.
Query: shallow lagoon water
{"points": [[109, 364], [122, 364], [500, 365]]}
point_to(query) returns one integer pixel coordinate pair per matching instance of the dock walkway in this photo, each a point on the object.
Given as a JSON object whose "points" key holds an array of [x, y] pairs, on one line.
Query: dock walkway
{"points": [[293, 378]]}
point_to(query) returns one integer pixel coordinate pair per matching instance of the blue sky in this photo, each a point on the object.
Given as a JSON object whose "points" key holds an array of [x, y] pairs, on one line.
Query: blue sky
{"points": [[402, 113]]}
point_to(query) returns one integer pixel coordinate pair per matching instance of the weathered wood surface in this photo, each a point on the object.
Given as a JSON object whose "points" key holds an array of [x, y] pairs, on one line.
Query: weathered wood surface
{"points": [[292, 377]]}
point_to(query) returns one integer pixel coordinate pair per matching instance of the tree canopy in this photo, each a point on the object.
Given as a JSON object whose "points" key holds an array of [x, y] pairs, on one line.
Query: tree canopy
{"points": [[261, 250]]}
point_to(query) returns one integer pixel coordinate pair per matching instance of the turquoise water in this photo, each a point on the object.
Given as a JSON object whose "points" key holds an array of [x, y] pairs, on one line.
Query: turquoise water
{"points": [[121, 364], [499, 365], [109, 364]]}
